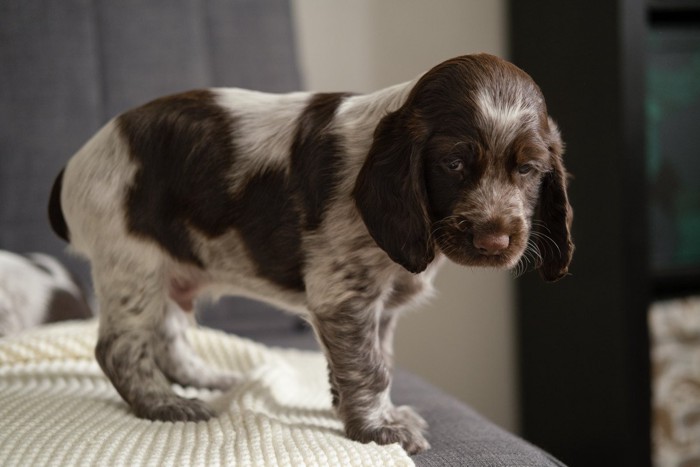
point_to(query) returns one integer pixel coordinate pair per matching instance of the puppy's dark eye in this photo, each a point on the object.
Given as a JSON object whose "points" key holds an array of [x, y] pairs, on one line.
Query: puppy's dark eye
{"points": [[455, 164], [524, 169]]}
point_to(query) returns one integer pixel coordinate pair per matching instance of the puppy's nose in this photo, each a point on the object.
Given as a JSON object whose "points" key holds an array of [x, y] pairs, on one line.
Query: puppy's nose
{"points": [[491, 244]]}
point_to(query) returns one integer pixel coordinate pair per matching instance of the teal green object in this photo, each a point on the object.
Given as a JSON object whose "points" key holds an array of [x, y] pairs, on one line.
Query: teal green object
{"points": [[673, 147]]}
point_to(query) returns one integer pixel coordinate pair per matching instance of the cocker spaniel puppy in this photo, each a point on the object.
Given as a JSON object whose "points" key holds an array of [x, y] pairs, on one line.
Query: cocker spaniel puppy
{"points": [[336, 206]]}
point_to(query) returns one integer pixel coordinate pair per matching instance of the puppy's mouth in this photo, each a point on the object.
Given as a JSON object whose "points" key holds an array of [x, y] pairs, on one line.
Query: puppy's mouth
{"points": [[481, 245]]}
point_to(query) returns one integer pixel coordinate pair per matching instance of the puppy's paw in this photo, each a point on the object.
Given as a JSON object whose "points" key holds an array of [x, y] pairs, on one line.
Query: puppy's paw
{"points": [[401, 425], [223, 381], [175, 409], [408, 416]]}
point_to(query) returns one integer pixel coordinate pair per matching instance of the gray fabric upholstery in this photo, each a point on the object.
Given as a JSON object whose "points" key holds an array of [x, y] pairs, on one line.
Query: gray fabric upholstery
{"points": [[49, 104], [460, 436], [68, 66]]}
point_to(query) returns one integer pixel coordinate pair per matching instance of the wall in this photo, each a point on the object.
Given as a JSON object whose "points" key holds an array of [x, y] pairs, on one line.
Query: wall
{"points": [[462, 341]]}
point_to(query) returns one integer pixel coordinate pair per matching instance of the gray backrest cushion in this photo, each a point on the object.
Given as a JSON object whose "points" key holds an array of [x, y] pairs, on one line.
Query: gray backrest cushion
{"points": [[66, 67]]}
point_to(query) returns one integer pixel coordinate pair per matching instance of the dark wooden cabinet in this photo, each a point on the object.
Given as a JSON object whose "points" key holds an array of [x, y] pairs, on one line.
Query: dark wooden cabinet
{"points": [[583, 341]]}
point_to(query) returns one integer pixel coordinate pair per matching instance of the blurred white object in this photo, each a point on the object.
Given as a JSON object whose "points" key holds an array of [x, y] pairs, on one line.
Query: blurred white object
{"points": [[36, 289]]}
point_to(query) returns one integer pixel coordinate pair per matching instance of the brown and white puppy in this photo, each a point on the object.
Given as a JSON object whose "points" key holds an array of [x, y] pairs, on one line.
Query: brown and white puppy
{"points": [[36, 289], [337, 206]]}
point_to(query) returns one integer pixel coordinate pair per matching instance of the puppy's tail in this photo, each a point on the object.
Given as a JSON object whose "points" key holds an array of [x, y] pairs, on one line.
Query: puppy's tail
{"points": [[58, 222]]}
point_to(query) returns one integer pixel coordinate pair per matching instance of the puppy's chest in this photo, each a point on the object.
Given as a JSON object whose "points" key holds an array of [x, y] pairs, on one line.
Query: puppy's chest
{"points": [[407, 289]]}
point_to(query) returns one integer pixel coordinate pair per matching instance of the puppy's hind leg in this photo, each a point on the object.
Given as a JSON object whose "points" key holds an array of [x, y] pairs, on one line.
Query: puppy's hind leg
{"points": [[132, 310], [178, 360]]}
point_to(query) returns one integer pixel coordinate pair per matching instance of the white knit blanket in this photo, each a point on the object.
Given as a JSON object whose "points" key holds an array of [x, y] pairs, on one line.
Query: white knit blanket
{"points": [[57, 408]]}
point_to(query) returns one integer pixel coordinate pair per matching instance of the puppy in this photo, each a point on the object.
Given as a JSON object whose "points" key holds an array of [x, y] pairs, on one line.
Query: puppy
{"points": [[339, 207], [37, 289]]}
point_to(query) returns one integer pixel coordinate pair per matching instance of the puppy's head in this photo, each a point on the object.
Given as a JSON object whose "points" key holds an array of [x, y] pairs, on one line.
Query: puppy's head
{"points": [[470, 165]]}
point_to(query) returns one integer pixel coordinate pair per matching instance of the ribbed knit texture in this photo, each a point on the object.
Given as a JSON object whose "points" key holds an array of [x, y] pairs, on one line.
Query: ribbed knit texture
{"points": [[58, 408]]}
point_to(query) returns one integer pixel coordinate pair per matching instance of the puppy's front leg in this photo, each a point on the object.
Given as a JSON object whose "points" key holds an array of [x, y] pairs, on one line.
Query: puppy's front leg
{"points": [[361, 377]]}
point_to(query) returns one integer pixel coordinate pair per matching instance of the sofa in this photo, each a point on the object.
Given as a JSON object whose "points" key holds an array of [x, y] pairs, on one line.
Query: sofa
{"points": [[67, 67]]}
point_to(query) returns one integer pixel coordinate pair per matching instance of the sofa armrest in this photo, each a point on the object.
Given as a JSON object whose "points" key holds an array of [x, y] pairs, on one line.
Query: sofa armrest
{"points": [[460, 436]]}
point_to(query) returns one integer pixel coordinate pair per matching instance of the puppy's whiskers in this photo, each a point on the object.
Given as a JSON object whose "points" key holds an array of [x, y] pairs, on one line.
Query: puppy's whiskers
{"points": [[548, 242]]}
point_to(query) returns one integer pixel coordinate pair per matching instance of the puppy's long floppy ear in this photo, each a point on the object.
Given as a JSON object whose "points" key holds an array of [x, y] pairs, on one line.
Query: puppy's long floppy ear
{"points": [[554, 241], [391, 196]]}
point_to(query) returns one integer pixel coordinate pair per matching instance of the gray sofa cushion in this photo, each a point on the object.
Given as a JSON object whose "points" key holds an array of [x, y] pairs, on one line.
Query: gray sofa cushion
{"points": [[460, 436], [67, 67]]}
